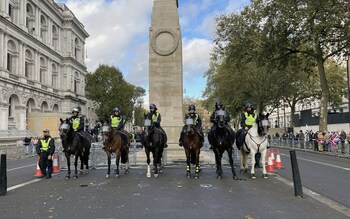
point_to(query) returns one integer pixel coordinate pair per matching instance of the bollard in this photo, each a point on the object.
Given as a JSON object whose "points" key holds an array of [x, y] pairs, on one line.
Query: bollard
{"points": [[3, 176], [298, 188]]}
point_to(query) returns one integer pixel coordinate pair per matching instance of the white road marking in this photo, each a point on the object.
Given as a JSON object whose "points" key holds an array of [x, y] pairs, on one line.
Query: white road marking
{"points": [[23, 184], [324, 200], [17, 168], [326, 164]]}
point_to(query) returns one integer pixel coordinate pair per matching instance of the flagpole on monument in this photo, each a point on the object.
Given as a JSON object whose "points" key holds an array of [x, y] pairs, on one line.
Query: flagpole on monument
{"points": [[348, 93]]}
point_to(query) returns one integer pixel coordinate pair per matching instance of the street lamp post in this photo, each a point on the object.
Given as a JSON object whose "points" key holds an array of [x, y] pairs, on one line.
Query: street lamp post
{"points": [[347, 73]]}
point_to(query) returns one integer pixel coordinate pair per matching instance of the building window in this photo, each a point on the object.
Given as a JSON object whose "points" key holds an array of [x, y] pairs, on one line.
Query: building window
{"points": [[43, 28], [29, 65], [43, 71], [9, 62], [54, 37], [26, 66], [10, 11], [76, 49], [30, 18], [54, 76]]}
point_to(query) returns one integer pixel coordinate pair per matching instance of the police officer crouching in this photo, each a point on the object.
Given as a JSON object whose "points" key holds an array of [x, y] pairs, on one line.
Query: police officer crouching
{"points": [[45, 149]]}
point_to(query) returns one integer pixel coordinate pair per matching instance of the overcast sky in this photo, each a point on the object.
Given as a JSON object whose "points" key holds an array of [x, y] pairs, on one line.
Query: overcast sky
{"points": [[119, 36]]}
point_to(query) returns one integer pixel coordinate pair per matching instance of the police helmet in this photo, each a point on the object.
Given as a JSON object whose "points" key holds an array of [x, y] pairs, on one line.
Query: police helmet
{"points": [[75, 110], [116, 110], [152, 106], [249, 105], [192, 107]]}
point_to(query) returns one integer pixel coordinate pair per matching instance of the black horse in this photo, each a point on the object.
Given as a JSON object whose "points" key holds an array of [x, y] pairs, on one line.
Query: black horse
{"points": [[222, 141], [73, 146], [153, 141]]}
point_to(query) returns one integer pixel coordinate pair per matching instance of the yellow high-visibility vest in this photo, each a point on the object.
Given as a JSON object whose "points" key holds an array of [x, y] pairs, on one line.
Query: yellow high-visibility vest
{"points": [[45, 145], [115, 120], [75, 122], [249, 119], [155, 117]]}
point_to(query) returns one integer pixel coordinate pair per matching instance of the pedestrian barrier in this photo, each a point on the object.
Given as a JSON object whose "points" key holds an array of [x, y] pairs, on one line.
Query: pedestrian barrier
{"points": [[56, 168], [278, 160], [38, 171], [270, 167]]}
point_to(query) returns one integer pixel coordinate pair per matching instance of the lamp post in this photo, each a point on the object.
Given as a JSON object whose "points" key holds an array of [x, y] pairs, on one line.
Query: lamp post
{"points": [[347, 73]]}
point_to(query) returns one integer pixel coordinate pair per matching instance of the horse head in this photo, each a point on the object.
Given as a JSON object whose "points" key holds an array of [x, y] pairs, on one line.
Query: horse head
{"points": [[65, 128], [106, 131], [189, 122], [263, 124], [220, 118], [148, 125]]}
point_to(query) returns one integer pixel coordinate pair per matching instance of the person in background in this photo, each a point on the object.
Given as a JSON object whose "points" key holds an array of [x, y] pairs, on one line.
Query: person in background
{"points": [[342, 138], [34, 142], [26, 143]]}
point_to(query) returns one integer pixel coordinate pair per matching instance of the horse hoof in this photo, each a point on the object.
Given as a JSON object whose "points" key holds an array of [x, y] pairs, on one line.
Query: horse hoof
{"points": [[148, 175], [265, 176], [67, 177], [160, 170], [75, 177], [116, 175], [81, 172], [188, 176], [219, 177], [156, 175], [196, 177], [242, 171], [126, 171], [253, 176], [235, 177], [107, 176]]}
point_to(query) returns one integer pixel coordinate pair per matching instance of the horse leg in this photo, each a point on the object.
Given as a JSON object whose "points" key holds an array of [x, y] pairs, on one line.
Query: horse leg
{"points": [[76, 166], [263, 160], [155, 162], [147, 150], [117, 163], [218, 163], [241, 168], [127, 161], [188, 167], [196, 175], [229, 153], [81, 164], [252, 171], [109, 164], [68, 166]]}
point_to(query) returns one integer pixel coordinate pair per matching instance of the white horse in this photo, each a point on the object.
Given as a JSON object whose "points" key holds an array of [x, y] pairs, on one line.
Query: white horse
{"points": [[255, 142]]}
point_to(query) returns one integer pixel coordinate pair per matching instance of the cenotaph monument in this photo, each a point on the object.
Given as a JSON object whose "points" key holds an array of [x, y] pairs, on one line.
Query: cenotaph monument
{"points": [[165, 67]]}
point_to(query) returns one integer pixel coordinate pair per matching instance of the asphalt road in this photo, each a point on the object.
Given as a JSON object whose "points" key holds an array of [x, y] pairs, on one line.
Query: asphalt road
{"points": [[172, 195]]}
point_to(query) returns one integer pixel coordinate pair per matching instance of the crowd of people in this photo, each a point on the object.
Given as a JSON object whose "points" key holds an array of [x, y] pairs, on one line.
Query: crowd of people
{"points": [[318, 141]]}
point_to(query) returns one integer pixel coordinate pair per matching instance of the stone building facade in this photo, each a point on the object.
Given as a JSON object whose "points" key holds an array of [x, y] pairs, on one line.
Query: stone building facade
{"points": [[42, 61]]}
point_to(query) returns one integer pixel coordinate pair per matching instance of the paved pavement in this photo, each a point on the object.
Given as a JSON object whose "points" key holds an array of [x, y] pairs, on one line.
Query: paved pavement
{"points": [[170, 196]]}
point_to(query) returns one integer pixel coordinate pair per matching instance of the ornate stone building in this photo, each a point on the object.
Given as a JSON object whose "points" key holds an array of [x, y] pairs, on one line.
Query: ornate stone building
{"points": [[42, 61]]}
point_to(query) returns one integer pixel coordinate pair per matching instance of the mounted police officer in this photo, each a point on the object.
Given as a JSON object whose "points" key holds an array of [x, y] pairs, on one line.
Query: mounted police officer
{"points": [[77, 123], [197, 124], [117, 122], [219, 106], [156, 118], [45, 149], [248, 118]]}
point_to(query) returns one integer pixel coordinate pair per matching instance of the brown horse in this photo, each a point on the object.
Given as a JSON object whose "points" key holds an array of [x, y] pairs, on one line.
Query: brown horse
{"points": [[192, 146], [114, 144]]}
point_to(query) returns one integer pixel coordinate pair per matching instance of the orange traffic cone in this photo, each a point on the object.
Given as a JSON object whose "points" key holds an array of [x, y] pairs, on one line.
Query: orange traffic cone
{"points": [[38, 171], [278, 160], [56, 167], [273, 157], [270, 164]]}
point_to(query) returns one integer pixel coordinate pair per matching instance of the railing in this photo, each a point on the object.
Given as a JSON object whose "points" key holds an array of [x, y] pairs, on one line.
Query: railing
{"points": [[310, 144]]}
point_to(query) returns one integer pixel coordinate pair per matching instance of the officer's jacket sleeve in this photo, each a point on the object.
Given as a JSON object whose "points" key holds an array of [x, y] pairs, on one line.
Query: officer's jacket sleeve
{"points": [[52, 146], [212, 117], [159, 119], [121, 123], [243, 121], [38, 146], [81, 125], [199, 121]]}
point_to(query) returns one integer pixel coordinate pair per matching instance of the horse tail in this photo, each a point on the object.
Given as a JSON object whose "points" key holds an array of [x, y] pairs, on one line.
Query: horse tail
{"points": [[193, 156], [124, 156]]}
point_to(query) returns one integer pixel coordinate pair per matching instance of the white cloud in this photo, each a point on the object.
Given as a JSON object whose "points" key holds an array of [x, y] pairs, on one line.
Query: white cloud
{"points": [[235, 6], [196, 56]]}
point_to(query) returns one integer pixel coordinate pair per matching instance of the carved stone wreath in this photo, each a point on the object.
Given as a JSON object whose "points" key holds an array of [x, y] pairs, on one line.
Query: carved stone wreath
{"points": [[164, 41]]}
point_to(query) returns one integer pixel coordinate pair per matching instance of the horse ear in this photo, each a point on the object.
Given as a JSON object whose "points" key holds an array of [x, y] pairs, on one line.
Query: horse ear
{"points": [[267, 115], [61, 120]]}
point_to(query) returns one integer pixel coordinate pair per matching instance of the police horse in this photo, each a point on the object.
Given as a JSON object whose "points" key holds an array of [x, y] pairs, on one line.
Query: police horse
{"points": [[114, 144], [153, 141], [256, 142], [222, 141], [72, 145], [192, 145]]}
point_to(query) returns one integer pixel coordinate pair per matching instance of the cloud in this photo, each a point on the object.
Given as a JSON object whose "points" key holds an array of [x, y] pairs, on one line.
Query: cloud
{"points": [[196, 56]]}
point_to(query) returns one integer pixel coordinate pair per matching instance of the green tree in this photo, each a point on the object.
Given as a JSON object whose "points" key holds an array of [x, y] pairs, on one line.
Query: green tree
{"points": [[108, 88]]}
